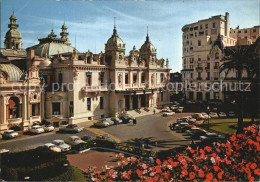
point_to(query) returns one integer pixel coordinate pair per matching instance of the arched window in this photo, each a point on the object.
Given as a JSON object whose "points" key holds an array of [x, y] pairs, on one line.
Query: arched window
{"points": [[217, 55]]}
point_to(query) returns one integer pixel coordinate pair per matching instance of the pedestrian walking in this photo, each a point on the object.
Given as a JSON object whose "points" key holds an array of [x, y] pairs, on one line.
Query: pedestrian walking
{"points": [[134, 121], [154, 111]]}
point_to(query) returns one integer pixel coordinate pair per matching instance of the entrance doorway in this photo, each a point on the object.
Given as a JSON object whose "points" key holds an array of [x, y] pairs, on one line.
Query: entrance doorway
{"points": [[127, 104], [135, 102], [143, 100]]}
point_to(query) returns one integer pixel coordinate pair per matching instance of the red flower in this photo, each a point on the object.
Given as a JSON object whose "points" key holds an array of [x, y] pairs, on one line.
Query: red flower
{"points": [[201, 173], [192, 175], [216, 168], [257, 172], [158, 169], [215, 180], [184, 172], [207, 148], [233, 137], [247, 170], [202, 151], [158, 161], [252, 179], [174, 164], [139, 173], [149, 179], [209, 176], [253, 166], [220, 174]]}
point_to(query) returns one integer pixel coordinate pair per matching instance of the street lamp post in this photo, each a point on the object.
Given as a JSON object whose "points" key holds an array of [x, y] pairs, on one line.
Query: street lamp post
{"points": [[208, 111]]}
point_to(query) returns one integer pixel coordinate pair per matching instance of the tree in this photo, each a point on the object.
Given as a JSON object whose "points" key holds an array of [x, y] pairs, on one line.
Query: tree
{"points": [[237, 58]]}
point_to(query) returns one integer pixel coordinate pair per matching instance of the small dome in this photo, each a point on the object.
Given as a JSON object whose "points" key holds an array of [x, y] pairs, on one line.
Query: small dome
{"points": [[148, 47], [13, 72], [219, 43], [13, 33], [13, 17], [46, 62], [115, 41]]}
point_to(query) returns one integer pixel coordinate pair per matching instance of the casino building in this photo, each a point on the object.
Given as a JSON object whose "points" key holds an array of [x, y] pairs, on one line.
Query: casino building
{"points": [[76, 87]]}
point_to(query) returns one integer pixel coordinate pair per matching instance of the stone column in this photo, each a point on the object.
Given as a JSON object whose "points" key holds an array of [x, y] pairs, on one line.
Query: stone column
{"points": [[131, 102], [4, 108], [24, 108], [42, 105]]}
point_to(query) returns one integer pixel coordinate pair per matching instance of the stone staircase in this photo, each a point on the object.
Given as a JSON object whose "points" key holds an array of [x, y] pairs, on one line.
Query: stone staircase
{"points": [[143, 112]]}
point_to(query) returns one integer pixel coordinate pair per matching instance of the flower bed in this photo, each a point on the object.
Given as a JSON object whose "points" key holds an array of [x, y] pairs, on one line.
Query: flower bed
{"points": [[236, 159]]}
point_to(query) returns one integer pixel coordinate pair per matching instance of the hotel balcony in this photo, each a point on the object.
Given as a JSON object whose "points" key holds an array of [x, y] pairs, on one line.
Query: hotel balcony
{"points": [[191, 69], [199, 68], [14, 120], [97, 88]]}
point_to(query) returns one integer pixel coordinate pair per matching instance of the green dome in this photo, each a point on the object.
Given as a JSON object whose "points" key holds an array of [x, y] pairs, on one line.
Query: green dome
{"points": [[52, 48], [13, 72]]}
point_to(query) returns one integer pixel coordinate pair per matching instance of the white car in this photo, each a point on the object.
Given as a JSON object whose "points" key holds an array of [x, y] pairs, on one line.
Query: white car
{"points": [[60, 143], [166, 114], [211, 137], [52, 147], [222, 115], [101, 124], [74, 140], [48, 128], [36, 129], [8, 134], [213, 115], [205, 115], [180, 109]]}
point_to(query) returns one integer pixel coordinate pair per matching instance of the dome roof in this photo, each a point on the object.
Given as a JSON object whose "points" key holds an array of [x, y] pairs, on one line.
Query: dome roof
{"points": [[46, 62], [13, 72], [218, 42], [52, 48], [115, 41], [148, 46], [13, 33]]}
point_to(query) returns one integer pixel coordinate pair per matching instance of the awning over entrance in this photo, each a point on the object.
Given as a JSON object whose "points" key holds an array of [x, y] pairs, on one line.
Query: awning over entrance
{"points": [[135, 92]]}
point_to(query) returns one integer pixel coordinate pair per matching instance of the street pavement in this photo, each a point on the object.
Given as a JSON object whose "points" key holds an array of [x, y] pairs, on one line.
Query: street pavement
{"points": [[152, 130], [30, 142]]}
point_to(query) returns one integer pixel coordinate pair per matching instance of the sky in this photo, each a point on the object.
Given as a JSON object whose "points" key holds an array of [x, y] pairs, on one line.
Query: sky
{"points": [[91, 22]]}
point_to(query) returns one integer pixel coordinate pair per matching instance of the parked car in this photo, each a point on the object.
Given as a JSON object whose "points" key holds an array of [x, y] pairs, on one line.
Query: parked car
{"points": [[87, 137], [9, 134], [117, 120], [179, 110], [101, 124], [174, 107], [62, 145], [222, 115], [166, 114], [198, 116], [231, 114], [205, 115], [213, 115], [36, 129], [105, 137], [196, 132], [74, 140], [211, 137], [71, 128], [190, 119], [108, 120], [126, 118], [52, 147], [182, 127], [165, 109], [4, 151], [48, 127]]}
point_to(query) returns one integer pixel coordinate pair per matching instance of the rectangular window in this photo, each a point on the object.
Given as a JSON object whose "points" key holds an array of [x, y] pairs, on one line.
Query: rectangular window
{"points": [[191, 75], [199, 74], [134, 78], [162, 77], [60, 78], [101, 78], [89, 104], [206, 25], [126, 78], [208, 65], [88, 78], [245, 31], [199, 42], [214, 25], [254, 30], [101, 102], [200, 26], [55, 108], [71, 108], [35, 109], [213, 31], [208, 75], [143, 78]]}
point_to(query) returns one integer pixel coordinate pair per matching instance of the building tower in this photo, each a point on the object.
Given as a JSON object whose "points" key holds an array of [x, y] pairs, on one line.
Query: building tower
{"points": [[13, 38], [148, 52], [64, 34]]}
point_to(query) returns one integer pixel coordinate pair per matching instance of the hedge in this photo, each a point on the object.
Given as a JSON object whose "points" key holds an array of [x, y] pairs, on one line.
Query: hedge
{"points": [[38, 164]]}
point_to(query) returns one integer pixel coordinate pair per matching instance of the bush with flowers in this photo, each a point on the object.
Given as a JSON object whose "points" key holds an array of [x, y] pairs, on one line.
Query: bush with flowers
{"points": [[236, 159]]}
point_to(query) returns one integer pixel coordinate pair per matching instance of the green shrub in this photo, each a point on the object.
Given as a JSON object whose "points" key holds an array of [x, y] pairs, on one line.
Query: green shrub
{"points": [[38, 164], [9, 174]]}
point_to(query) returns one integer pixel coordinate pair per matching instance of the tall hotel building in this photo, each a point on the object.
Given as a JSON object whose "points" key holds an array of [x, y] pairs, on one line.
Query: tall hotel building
{"points": [[203, 48]]}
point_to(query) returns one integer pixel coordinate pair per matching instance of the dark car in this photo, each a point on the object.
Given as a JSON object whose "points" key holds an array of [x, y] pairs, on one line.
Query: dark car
{"points": [[71, 128], [196, 133], [126, 118], [117, 120]]}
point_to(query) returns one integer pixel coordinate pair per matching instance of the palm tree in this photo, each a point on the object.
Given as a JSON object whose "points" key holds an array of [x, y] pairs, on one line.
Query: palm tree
{"points": [[237, 58]]}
